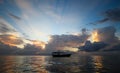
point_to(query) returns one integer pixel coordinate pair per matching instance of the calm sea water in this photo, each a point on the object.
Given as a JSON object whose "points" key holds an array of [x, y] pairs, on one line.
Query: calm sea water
{"points": [[74, 64]]}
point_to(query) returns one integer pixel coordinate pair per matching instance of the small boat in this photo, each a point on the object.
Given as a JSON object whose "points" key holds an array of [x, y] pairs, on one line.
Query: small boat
{"points": [[61, 54]]}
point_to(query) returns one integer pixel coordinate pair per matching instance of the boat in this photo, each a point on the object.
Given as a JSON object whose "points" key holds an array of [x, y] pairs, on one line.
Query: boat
{"points": [[61, 54]]}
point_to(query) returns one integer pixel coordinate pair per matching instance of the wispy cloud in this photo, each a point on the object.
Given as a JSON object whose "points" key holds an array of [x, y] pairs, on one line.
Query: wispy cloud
{"points": [[9, 35], [14, 16], [112, 15], [5, 27]]}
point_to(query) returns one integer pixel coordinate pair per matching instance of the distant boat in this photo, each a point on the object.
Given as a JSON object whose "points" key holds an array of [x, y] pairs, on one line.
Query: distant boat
{"points": [[61, 54]]}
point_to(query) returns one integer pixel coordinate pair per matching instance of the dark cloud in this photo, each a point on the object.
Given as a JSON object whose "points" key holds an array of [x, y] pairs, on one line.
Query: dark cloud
{"points": [[58, 42], [112, 15], [100, 21], [107, 34], [27, 50], [111, 47], [114, 47], [92, 46], [14, 16], [84, 31], [7, 50], [30, 49]]}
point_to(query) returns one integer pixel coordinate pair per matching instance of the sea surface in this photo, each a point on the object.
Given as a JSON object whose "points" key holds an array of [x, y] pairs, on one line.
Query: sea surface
{"points": [[109, 63]]}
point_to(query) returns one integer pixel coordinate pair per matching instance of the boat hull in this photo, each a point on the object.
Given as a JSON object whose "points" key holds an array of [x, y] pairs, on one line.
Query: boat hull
{"points": [[67, 55]]}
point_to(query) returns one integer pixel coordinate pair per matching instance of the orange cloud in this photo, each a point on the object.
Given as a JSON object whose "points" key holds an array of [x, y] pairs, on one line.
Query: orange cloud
{"points": [[15, 40], [95, 36], [12, 40], [39, 44], [106, 34]]}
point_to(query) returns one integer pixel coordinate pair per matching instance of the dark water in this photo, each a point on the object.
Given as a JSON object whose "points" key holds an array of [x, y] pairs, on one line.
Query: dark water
{"points": [[47, 64]]}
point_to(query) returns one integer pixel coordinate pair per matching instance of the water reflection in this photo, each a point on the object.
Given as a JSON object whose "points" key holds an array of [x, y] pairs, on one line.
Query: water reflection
{"points": [[22, 64], [63, 65], [84, 64], [76, 64], [48, 64], [97, 63]]}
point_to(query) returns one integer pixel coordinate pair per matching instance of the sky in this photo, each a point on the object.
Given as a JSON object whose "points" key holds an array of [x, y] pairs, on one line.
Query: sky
{"points": [[23, 21]]}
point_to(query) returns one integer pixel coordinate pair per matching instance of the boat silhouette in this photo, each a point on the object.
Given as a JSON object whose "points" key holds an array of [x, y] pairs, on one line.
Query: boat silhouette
{"points": [[61, 54]]}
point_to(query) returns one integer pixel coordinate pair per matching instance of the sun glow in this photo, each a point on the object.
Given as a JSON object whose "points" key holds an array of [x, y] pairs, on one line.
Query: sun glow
{"points": [[39, 44], [95, 36], [73, 49], [40, 36]]}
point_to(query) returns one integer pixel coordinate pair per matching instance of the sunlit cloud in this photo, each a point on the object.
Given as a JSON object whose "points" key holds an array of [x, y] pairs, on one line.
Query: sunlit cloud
{"points": [[39, 44], [106, 34], [12, 40], [95, 36]]}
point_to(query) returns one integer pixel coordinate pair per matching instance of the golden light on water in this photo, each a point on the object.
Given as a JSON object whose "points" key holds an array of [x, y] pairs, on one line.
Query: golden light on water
{"points": [[97, 61]]}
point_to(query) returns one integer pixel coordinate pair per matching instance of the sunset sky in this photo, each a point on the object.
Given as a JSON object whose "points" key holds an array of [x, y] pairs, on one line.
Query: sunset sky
{"points": [[25, 21]]}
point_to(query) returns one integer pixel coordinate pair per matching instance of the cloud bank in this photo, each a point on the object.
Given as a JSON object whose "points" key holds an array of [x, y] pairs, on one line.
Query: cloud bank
{"points": [[106, 34], [59, 42], [11, 41]]}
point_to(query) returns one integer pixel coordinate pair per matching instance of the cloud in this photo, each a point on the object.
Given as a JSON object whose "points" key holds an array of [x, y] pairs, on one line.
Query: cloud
{"points": [[112, 15], [38, 44], [42, 9], [5, 27], [26, 6], [11, 40], [106, 34], [11, 44], [84, 31], [100, 21], [95, 46], [30, 49], [14, 16], [104, 39], [9, 35], [59, 42], [7, 50], [114, 47]]}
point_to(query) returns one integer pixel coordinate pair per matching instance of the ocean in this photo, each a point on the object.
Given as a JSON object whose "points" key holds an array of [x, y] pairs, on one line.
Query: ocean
{"points": [[107, 63]]}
